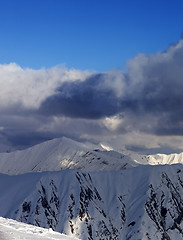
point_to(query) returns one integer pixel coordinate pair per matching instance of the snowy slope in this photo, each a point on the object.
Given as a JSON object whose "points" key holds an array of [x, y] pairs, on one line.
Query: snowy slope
{"points": [[173, 158], [63, 153], [157, 159], [10, 229], [145, 202]]}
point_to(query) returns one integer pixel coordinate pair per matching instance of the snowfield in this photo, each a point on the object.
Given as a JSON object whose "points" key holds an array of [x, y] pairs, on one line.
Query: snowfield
{"points": [[11, 229]]}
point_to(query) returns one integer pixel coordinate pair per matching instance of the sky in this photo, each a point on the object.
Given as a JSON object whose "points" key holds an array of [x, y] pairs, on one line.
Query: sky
{"points": [[103, 71]]}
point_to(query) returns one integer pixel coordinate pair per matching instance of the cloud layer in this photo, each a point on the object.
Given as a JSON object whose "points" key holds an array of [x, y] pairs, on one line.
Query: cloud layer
{"points": [[145, 101], [96, 97]]}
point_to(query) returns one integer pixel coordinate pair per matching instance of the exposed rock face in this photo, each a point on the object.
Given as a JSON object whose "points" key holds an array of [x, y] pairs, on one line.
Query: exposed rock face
{"points": [[145, 202], [165, 205]]}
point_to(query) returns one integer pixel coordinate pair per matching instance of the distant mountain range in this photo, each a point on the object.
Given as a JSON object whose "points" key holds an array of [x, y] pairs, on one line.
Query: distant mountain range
{"points": [[85, 191]]}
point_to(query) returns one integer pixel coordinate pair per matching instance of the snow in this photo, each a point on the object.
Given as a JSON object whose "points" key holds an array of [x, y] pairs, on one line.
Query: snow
{"points": [[51, 155], [112, 193], [11, 229], [77, 187], [63, 153], [173, 158]]}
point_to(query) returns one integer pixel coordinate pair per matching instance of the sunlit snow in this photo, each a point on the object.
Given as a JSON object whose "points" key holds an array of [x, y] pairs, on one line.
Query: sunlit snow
{"points": [[11, 229]]}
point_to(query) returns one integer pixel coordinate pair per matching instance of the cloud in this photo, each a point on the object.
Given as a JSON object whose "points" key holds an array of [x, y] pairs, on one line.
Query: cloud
{"points": [[147, 98], [156, 81], [21, 94], [27, 88], [155, 88], [96, 97], [46, 103]]}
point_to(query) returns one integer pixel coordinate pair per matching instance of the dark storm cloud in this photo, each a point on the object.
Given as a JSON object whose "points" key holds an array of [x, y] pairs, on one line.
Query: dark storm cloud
{"points": [[153, 86], [26, 139], [91, 99], [158, 88], [22, 130]]}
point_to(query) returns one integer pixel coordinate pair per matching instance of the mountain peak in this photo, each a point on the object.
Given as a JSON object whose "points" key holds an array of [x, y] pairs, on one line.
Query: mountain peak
{"points": [[63, 153]]}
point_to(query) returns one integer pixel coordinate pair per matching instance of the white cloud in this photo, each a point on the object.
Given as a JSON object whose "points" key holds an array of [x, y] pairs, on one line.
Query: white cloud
{"points": [[116, 82], [28, 87], [113, 123]]}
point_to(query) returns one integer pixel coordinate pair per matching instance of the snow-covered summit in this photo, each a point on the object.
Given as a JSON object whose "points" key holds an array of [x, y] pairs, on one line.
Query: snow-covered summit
{"points": [[173, 158], [63, 153], [158, 159]]}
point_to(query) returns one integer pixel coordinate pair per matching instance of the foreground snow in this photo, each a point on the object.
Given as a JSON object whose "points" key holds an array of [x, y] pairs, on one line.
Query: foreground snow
{"points": [[11, 229]]}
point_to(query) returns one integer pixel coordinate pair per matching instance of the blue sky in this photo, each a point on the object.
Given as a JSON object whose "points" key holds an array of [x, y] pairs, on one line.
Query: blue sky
{"points": [[95, 35]]}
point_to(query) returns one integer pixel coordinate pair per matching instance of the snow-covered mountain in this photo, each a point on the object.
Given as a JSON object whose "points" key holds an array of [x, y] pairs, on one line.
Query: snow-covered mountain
{"points": [[85, 191], [63, 153], [145, 202], [173, 158]]}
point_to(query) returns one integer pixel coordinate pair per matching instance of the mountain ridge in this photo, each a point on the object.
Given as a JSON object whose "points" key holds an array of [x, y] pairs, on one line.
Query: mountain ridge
{"points": [[144, 202], [63, 153]]}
